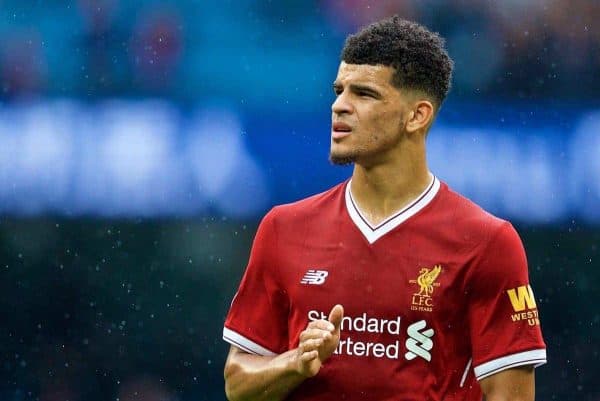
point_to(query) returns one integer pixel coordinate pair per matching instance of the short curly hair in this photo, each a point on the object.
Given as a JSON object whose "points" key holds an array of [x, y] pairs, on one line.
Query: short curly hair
{"points": [[417, 55]]}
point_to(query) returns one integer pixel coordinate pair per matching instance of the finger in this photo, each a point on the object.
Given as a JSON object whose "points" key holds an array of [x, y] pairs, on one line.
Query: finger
{"points": [[314, 333], [310, 345], [336, 315], [321, 324], [309, 356]]}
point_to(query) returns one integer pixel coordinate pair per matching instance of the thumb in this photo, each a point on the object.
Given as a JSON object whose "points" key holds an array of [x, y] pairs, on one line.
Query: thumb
{"points": [[336, 315]]}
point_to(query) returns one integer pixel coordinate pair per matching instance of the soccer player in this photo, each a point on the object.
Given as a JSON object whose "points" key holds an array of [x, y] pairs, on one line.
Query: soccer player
{"points": [[389, 286]]}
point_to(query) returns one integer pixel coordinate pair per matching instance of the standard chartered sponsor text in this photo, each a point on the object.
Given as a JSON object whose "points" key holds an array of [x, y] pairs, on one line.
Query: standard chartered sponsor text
{"points": [[365, 324]]}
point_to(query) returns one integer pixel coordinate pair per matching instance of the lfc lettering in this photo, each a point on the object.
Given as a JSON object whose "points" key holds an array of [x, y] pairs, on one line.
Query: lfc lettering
{"points": [[421, 303]]}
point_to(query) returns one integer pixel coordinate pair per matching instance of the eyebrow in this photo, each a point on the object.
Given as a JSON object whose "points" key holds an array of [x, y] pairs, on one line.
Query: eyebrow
{"points": [[358, 88]]}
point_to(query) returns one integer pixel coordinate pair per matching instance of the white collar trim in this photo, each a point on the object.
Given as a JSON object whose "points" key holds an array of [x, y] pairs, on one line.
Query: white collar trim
{"points": [[371, 233]]}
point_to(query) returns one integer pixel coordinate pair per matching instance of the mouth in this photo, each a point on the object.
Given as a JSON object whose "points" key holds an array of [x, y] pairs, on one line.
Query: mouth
{"points": [[340, 130]]}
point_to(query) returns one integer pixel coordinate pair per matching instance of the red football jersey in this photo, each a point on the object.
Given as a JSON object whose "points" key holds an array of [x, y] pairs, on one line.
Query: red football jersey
{"points": [[436, 297]]}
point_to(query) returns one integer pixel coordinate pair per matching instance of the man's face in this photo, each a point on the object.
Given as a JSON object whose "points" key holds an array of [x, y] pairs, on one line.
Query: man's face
{"points": [[367, 119]]}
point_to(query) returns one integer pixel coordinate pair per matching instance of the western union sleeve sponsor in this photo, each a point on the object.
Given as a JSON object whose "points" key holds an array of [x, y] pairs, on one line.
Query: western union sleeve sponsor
{"points": [[523, 303], [522, 298]]}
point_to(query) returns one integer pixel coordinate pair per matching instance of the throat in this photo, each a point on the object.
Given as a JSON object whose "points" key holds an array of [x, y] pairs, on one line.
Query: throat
{"points": [[376, 209], [375, 219]]}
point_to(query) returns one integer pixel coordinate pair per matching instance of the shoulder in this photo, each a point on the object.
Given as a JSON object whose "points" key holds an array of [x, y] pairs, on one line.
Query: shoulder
{"points": [[469, 221], [491, 245], [321, 204]]}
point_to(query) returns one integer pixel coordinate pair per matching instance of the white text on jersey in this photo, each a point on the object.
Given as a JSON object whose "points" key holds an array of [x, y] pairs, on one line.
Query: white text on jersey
{"points": [[364, 323]]}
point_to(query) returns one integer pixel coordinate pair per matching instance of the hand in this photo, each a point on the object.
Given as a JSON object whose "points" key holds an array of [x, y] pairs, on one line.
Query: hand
{"points": [[318, 341]]}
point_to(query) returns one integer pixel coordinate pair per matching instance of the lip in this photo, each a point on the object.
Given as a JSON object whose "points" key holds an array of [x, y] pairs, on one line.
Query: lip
{"points": [[340, 126], [340, 134], [340, 130]]}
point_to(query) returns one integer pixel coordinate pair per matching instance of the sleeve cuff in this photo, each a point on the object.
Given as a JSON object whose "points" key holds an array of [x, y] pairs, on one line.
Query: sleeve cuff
{"points": [[534, 357], [244, 343]]}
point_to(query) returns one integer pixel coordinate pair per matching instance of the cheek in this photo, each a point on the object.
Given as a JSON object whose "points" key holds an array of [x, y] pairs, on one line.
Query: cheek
{"points": [[386, 125]]}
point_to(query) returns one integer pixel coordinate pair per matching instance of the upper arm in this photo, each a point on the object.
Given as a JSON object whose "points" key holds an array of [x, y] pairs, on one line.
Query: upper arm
{"points": [[231, 361], [257, 319], [516, 384], [233, 352], [502, 312]]}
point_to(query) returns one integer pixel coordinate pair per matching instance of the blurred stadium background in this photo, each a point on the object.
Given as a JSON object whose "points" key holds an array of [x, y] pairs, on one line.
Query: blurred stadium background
{"points": [[141, 142]]}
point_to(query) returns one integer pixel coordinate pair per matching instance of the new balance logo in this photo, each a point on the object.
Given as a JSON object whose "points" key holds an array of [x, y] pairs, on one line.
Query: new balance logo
{"points": [[419, 342], [316, 277]]}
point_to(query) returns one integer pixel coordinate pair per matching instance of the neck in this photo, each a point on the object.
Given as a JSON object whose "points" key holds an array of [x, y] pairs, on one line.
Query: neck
{"points": [[380, 190]]}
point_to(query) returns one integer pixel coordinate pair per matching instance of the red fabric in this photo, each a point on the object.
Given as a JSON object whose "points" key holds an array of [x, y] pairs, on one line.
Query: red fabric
{"points": [[467, 306]]}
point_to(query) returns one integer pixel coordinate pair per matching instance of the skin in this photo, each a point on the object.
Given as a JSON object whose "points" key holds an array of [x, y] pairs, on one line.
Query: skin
{"points": [[387, 143], [260, 378], [517, 384], [387, 146]]}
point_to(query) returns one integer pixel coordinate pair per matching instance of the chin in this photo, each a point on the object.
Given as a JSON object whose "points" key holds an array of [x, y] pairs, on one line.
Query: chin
{"points": [[341, 159]]}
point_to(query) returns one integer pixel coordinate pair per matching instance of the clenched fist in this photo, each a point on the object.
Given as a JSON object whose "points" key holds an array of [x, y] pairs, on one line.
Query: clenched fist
{"points": [[318, 341]]}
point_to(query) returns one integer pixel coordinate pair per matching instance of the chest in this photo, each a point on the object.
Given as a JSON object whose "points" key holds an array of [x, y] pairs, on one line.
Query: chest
{"points": [[401, 278]]}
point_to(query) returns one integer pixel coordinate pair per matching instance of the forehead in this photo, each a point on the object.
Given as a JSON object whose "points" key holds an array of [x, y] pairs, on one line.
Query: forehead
{"points": [[379, 75]]}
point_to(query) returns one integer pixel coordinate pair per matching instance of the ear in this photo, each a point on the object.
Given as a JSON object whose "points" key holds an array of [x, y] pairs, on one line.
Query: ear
{"points": [[420, 117]]}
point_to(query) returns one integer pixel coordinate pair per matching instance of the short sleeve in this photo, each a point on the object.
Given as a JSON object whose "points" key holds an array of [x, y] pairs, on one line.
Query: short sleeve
{"points": [[257, 319], [503, 317]]}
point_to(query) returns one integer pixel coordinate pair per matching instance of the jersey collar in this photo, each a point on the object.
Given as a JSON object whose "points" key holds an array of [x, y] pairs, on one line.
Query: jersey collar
{"points": [[371, 233]]}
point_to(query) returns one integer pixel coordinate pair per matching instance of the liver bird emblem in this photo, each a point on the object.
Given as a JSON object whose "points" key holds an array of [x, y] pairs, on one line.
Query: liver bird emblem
{"points": [[426, 279]]}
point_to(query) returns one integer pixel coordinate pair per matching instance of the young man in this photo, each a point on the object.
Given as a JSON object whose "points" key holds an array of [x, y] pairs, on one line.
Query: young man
{"points": [[389, 286]]}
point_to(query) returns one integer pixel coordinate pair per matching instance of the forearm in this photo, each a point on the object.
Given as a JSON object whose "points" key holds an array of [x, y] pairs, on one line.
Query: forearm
{"points": [[261, 378], [508, 397], [516, 384]]}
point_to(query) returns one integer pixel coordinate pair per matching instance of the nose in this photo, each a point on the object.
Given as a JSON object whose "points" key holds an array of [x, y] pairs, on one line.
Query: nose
{"points": [[342, 105]]}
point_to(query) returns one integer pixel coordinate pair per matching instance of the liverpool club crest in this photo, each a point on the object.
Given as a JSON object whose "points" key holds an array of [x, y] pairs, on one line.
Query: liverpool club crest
{"points": [[421, 300]]}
